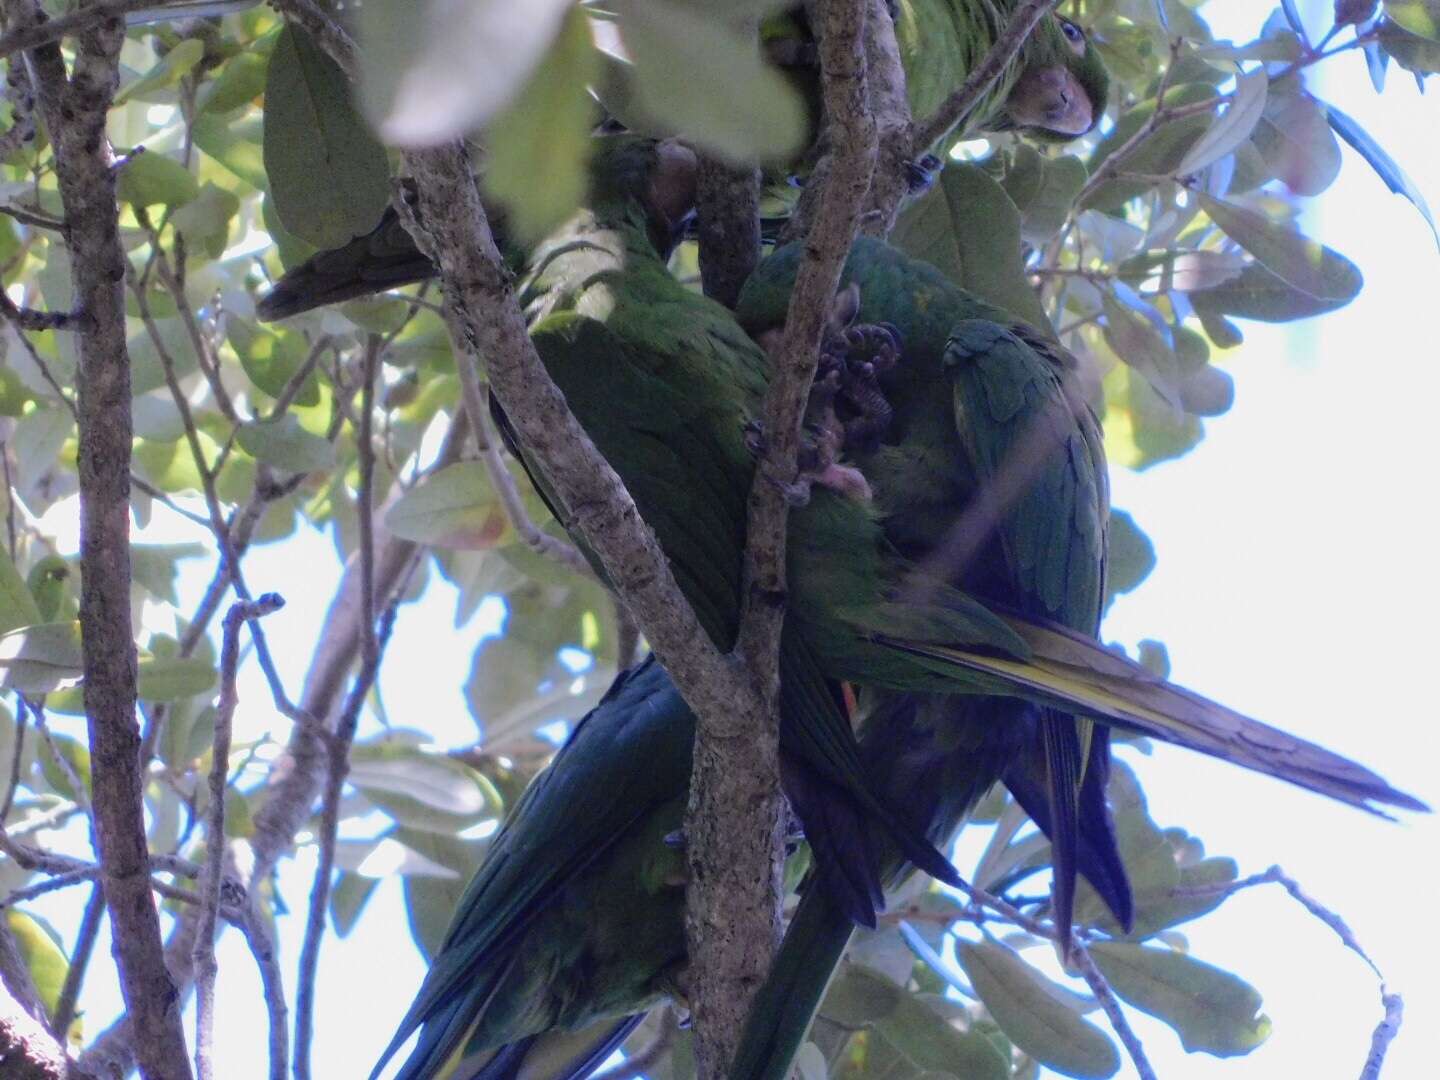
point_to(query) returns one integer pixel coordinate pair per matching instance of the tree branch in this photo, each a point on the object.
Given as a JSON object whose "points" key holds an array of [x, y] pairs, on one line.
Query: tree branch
{"points": [[26, 1049], [728, 198], [1007, 46], [75, 111], [894, 128]]}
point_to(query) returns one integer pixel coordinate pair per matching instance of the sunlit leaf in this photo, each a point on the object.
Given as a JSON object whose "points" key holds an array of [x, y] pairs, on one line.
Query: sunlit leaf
{"points": [[1212, 1010], [286, 445], [455, 507], [150, 179], [544, 132], [436, 69], [172, 678], [1420, 17], [171, 67], [1233, 126], [694, 74], [40, 950], [1297, 144], [1384, 165], [17, 605], [1306, 264], [1021, 1001]]}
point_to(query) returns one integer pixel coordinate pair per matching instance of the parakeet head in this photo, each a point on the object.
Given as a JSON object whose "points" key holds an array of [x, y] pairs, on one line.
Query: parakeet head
{"points": [[657, 175], [1063, 85]]}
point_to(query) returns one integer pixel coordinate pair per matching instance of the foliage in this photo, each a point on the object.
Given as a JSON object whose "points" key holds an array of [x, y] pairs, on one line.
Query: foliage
{"points": [[1138, 247]]}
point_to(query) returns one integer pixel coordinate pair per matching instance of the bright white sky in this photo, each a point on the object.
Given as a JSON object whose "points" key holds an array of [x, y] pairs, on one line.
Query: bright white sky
{"points": [[1297, 581]]}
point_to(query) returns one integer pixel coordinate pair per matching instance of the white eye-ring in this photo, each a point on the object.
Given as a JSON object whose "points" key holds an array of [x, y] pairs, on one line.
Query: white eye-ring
{"points": [[1073, 34]]}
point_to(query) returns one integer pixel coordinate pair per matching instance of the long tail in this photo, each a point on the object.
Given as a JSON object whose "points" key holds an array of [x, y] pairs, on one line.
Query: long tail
{"points": [[557, 1055], [1073, 673], [785, 1005]]}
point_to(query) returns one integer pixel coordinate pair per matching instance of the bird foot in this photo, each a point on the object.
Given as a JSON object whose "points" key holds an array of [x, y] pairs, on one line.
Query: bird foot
{"points": [[921, 173], [855, 359]]}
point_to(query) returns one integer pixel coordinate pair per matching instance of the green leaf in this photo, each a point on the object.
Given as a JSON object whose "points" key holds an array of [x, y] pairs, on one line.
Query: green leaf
{"points": [[432, 70], [205, 221], [430, 901], [864, 998], [40, 950], [1384, 165], [1305, 264], [174, 678], [1255, 293], [155, 567], [1212, 1010], [1043, 190], [41, 658], [694, 74], [150, 179], [1157, 154], [1413, 52], [17, 605], [286, 445], [1420, 17], [235, 144], [969, 229], [240, 81], [455, 508], [426, 791], [170, 69], [271, 358], [328, 175], [1026, 1006], [1296, 142], [545, 132], [1137, 341], [348, 898], [1233, 126]]}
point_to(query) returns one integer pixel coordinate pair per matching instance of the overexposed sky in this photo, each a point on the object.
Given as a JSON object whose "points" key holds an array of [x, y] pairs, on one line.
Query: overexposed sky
{"points": [[1297, 581]]}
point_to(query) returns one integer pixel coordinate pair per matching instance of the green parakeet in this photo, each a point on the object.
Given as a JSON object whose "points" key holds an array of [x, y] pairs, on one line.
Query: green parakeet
{"points": [[1055, 89], [52, 583], [573, 925]]}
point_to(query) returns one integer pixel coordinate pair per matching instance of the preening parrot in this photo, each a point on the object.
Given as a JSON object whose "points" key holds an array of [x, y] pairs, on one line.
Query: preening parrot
{"points": [[1055, 89], [992, 475]]}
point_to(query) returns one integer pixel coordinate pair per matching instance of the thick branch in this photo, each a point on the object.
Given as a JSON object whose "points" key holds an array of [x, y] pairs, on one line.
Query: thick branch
{"points": [[729, 218], [75, 112], [1007, 46], [27, 1051], [894, 131]]}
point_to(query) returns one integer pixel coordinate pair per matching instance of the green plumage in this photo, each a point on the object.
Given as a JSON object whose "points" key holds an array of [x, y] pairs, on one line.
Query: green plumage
{"points": [[574, 921], [942, 41]]}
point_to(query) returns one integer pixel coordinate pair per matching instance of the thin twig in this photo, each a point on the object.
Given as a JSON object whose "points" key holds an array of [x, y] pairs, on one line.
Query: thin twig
{"points": [[205, 966], [1100, 987], [79, 962], [345, 730], [1007, 46], [15, 761], [262, 948], [1384, 1035]]}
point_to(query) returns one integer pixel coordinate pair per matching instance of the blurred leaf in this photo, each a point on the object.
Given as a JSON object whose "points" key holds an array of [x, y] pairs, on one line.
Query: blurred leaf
{"points": [[454, 508], [386, 856], [17, 605], [863, 998], [171, 67], [967, 227], [41, 658], [1296, 142], [1131, 555], [235, 144], [1159, 153], [1420, 17], [434, 70], [1233, 126], [430, 902], [205, 221], [1024, 1004], [1043, 190], [1211, 1009], [328, 175], [1413, 52], [1384, 165], [284, 444], [240, 80], [150, 178], [272, 358], [348, 898], [1306, 264], [426, 791], [155, 567], [171, 679], [545, 132], [694, 74], [41, 952], [1131, 330]]}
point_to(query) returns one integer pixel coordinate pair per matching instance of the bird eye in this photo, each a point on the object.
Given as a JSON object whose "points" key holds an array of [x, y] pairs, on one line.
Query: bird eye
{"points": [[1073, 34]]}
